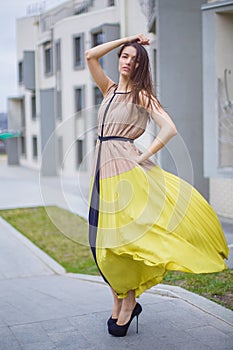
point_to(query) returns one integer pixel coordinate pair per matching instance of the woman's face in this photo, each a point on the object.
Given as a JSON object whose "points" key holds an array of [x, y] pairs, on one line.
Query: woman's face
{"points": [[126, 61]]}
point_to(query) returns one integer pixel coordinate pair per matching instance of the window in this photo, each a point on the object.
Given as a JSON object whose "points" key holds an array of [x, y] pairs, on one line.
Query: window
{"points": [[48, 59], [111, 2], [81, 8], [23, 145], [98, 39], [59, 104], [34, 147], [79, 51], [33, 106], [58, 55], [20, 72], [79, 152], [79, 103], [22, 113], [98, 97]]}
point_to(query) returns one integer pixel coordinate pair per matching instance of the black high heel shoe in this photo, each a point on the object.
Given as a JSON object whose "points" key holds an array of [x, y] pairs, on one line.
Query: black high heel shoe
{"points": [[111, 321], [121, 331]]}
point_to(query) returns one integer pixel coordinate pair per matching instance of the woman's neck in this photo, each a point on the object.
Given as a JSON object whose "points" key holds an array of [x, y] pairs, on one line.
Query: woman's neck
{"points": [[124, 85]]}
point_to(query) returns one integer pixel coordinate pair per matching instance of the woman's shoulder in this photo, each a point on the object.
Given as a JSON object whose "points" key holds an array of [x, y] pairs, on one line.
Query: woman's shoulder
{"points": [[111, 89], [148, 100]]}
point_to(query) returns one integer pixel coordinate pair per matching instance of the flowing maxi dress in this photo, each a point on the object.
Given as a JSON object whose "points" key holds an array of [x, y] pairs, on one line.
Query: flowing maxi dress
{"points": [[144, 221]]}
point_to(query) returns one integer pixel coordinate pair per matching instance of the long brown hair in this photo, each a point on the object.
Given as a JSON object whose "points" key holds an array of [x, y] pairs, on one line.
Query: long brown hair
{"points": [[140, 77]]}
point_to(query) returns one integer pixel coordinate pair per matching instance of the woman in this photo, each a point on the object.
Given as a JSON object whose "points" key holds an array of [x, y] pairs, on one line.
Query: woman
{"points": [[143, 221]]}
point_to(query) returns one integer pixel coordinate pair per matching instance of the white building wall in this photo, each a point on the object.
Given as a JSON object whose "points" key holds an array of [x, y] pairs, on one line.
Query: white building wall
{"points": [[27, 34], [218, 56], [221, 189], [26, 29], [221, 197]]}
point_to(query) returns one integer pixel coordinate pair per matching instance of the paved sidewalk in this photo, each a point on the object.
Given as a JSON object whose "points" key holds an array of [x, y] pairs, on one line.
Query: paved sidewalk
{"points": [[23, 187], [43, 308]]}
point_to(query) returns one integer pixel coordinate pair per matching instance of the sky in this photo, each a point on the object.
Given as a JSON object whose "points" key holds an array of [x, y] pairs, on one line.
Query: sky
{"points": [[9, 11]]}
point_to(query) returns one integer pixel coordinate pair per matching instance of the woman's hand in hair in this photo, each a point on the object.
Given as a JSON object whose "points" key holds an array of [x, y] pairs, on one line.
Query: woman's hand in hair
{"points": [[140, 39]]}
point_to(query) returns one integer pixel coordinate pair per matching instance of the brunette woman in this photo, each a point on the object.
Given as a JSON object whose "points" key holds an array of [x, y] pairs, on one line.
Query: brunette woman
{"points": [[143, 221]]}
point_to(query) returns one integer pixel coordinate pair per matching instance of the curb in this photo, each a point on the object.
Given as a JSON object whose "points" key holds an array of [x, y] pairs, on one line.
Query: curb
{"points": [[205, 305]]}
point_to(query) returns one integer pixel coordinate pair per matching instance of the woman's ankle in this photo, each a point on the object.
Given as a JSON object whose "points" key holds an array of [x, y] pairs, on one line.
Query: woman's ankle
{"points": [[128, 306], [116, 308], [129, 303]]}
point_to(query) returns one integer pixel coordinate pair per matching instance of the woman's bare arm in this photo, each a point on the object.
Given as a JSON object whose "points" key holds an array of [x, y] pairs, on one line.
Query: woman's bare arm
{"points": [[166, 132]]}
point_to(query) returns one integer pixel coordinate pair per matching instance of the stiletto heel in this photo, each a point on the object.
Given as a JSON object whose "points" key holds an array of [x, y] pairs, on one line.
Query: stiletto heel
{"points": [[121, 331], [137, 325]]}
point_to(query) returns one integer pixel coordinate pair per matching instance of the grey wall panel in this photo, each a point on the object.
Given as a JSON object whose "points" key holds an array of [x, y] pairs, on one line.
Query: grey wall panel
{"points": [[179, 67], [111, 32], [29, 70], [48, 139], [209, 94], [12, 149]]}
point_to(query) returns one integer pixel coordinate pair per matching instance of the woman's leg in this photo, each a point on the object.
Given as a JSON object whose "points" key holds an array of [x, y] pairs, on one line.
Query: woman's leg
{"points": [[117, 303], [127, 307]]}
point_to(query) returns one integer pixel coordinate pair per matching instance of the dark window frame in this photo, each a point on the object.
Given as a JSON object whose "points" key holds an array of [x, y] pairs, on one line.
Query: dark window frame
{"points": [[48, 59], [20, 72], [78, 51], [79, 101], [97, 38], [111, 3], [79, 152], [98, 96], [58, 55], [59, 104], [33, 107], [34, 147], [23, 148]]}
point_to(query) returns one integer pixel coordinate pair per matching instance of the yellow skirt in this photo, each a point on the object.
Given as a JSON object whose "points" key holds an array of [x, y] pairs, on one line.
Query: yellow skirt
{"points": [[151, 222]]}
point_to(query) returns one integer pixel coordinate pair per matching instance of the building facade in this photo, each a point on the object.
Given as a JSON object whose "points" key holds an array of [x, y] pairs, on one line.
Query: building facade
{"points": [[217, 19], [194, 61], [191, 56], [56, 107]]}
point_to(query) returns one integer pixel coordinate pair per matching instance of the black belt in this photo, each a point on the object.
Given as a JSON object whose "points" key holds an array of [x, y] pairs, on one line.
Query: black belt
{"points": [[119, 138]]}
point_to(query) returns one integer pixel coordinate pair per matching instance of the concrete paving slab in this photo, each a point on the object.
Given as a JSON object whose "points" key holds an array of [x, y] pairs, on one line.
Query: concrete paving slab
{"points": [[61, 312]]}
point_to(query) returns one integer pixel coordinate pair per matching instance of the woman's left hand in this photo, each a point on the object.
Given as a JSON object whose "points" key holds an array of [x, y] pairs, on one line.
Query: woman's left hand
{"points": [[144, 156], [140, 39], [139, 157]]}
